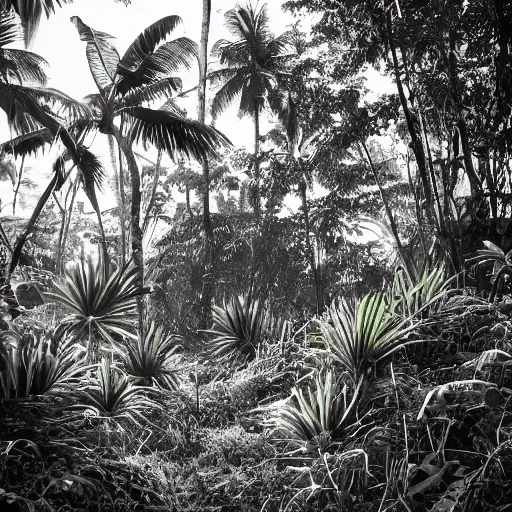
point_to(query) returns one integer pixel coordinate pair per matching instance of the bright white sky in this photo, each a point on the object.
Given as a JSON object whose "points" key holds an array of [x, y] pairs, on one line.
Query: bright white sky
{"points": [[58, 42]]}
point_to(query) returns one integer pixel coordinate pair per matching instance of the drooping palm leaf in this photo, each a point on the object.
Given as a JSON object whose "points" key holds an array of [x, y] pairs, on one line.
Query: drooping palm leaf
{"points": [[157, 91], [27, 144], [22, 66], [228, 93], [174, 134], [9, 28], [31, 11]]}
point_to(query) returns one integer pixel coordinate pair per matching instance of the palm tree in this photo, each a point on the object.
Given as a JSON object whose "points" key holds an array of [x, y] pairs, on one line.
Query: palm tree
{"points": [[251, 70], [144, 74], [39, 116]]}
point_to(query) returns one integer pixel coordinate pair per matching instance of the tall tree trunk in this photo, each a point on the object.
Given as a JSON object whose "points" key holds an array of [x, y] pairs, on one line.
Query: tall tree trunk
{"points": [[125, 143], [412, 124], [29, 228], [18, 184], [151, 201], [208, 264], [409, 264], [257, 201], [119, 191], [63, 239], [315, 269]]}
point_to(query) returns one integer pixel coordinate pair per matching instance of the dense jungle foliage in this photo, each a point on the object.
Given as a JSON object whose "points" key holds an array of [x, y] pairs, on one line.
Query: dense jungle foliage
{"points": [[319, 320]]}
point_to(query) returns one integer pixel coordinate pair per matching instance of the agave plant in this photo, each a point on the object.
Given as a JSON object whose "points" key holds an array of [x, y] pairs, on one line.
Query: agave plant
{"points": [[317, 416], [153, 359], [113, 394], [33, 365], [102, 302], [419, 298], [365, 333], [241, 327]]}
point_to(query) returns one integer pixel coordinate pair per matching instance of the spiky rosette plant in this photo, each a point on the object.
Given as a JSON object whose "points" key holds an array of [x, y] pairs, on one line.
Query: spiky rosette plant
{"points": [[112, 394], [418, 298], [31, 364], [317, 416], [101, 301], [360, 335], [154, 359], [241, 327]]}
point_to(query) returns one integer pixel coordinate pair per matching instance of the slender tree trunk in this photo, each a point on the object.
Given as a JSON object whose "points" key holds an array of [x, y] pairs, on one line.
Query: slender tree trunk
{"points": [[121, 199], [315, 269], [151, 202], [62, 245], [257, 201], [29, 228], [408, 263], [208, 264], [18, 184], [125, 143], [412, 125]]}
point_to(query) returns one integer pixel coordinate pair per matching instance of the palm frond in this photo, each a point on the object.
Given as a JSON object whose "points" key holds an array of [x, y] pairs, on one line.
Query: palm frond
{"points": [[228, 93], [60, 103], [22, 66], [175, 134], [156, 91], [31, 11], [144, 45], [103, 58], [168, 59], [27, 144], [9, 29]]}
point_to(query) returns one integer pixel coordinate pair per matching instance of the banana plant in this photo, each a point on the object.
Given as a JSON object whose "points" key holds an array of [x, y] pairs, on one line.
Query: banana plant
{"points": [[145, 74]]}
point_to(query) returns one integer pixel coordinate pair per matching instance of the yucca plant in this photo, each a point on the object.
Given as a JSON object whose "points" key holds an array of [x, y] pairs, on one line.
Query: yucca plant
{"points": [[33, 365], [101, 300], [419, 298], [360, 335], [153, 359], [240, 328], [113, 394], [317, 416]]}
